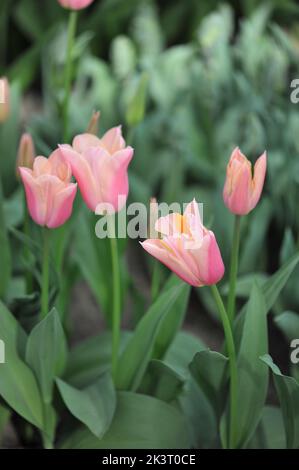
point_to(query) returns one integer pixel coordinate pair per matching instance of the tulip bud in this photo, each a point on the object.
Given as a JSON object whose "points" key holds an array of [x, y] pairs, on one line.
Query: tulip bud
{"points": [[75, 4], [26, 153], [242, 189], [4, 99], [93, 126]]}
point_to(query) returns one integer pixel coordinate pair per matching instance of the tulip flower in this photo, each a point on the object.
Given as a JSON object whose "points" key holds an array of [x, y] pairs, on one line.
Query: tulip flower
{"points": [[242, 189], [26, 152], [100, 168], [4, 99], [75, 4], [187, 247], [49, 191]]}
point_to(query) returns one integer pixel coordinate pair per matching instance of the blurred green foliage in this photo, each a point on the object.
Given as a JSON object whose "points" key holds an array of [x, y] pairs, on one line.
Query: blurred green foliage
{"points": [[209, 78]]}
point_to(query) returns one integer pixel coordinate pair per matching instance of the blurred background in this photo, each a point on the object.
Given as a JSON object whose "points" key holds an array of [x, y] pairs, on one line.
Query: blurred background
{"points": [[189, 80]]}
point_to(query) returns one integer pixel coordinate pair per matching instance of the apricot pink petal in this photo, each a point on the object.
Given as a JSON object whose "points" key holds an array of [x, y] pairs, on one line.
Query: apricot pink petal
{"points": [[62, 206], [83, 142], [260, 169], [113, 140], [35, 201], [101, 177], [198, 267], [82, 171], [75, 4], [114, 181]]}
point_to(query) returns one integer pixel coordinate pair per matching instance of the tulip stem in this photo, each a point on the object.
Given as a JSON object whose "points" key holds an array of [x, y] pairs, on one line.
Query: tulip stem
{"points": [[116, 312], [232, 366], [234, 269], [45, 273], [72, 26]]}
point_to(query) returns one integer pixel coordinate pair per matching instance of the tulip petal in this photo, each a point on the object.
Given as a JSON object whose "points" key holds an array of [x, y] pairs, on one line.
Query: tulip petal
{"points": [[62, 205], [34, 196], [114, 177], [83, 142], [161, 252], [82, 171], [41, 166], [259, 175], [113, 140]]}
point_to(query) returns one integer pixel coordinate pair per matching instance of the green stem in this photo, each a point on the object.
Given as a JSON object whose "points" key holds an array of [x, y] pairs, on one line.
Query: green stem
{"points": [[155, 281], [232, 366], [68, 71], [28, 274], [116, 312], [45, 273], [234, 269]]}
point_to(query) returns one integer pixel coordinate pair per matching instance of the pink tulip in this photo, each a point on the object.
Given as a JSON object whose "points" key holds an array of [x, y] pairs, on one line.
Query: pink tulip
{"points": [[187, 248], [100, 168], [26, 152], [4, 99], [49, 191], [75, 4], [242, 190]]}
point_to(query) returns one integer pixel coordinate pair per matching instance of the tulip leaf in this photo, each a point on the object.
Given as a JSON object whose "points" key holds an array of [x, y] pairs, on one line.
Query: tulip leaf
{"points": [[91, 358], [288, 393], [161, 381], [254, 343], [5, 270], [209, 368], [94, 406], [271, 290], [173, 320], [18, 387], [135, 358], [46, 352], [270, 432], [11, 332], [288, 323], [140, 422]]}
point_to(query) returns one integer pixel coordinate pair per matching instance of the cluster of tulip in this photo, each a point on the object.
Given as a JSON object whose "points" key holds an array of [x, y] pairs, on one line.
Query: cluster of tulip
{"points": [[184, 245]]}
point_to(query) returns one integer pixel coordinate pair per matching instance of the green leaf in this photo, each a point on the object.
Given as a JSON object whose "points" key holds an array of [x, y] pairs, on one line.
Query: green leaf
{"points": [[173, 320], [94, 406], [140, 422], [288, 393], [254, 343], [4, 418], [288, 323], [11, 333], [209, 371], [46, 352], [5, 271], [19, 389], [271, 290], [270, 432], [181, 352], [91, 358], [134, 360], [161, 381]]}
